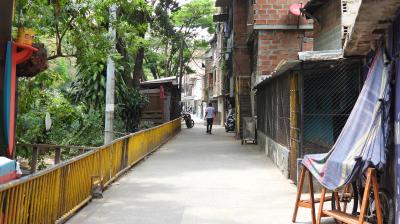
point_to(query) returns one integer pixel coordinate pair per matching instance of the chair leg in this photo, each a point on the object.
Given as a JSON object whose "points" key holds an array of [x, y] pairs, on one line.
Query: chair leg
{"points": [[337, 201], [311, 189], [364, 204], [345, 192], [299, 190], [376, 198], [321, 205]]}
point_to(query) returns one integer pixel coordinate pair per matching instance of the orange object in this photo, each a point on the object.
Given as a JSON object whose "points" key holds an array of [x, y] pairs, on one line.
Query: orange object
{"points": [[25, 36], [17, 53]]}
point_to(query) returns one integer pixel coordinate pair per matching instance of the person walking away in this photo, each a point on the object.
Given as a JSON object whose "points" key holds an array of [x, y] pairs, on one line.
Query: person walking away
{"points": [[210, 113]]}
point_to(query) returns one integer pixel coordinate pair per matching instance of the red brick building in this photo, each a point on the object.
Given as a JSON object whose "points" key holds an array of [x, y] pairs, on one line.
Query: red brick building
{"points": [[275, 34], [260, 34]]}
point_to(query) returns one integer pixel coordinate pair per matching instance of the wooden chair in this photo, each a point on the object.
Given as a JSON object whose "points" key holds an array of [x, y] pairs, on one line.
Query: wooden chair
{"points": [[310, 203], [343, 217]]}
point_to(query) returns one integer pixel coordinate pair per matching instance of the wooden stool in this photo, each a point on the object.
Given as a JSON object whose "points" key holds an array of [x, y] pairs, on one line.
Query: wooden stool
{"points": [[350, 219], [310, 203]]}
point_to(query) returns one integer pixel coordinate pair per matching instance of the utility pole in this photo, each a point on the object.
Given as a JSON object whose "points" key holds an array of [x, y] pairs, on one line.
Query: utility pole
{"points": [[180, 69], [110, 86]]}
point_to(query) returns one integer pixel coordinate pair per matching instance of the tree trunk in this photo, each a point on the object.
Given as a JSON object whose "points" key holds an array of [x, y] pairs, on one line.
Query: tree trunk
{"points": [[138, 69], [154, 72], [126, 76]]}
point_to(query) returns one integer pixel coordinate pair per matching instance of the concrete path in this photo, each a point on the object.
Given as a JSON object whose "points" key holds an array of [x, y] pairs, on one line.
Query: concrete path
{"points": [[198, 178]]}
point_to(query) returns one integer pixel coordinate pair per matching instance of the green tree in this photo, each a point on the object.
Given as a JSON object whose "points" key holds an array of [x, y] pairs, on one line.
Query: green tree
{"points": [[177, 24], [76, 35]]}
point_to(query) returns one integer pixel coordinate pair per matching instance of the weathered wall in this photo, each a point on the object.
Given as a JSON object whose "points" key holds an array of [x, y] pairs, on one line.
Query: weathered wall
{"points": [[277, 153], [328, 31], [261, 140]]}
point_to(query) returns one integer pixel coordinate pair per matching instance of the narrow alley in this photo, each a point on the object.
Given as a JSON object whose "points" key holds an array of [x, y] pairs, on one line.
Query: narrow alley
{"points": [[198, 178]]}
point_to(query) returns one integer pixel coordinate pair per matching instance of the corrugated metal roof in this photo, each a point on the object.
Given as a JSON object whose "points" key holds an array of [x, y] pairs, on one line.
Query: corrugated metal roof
{"points": [[171, 79], [320, 55], [283, 67]]}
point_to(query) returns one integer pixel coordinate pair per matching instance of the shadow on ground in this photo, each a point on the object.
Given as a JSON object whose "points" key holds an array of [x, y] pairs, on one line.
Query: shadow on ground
{"points": [[198, 178]]}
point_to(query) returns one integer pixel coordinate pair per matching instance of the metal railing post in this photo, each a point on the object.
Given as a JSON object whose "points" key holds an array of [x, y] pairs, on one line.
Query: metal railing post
{"points": [[57, 157], [35, 156]]}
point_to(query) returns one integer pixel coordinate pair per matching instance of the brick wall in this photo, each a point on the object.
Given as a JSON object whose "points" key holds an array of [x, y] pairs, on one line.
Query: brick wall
{"points": [[276, 45], [276, 12], [241, 54]]}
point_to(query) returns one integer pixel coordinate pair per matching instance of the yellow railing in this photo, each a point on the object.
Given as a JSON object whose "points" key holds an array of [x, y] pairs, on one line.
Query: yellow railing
{"points": [[54, 194]]}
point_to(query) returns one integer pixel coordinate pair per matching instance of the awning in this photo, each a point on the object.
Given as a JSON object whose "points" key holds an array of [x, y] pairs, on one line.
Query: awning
{"points": [[171, 79]]}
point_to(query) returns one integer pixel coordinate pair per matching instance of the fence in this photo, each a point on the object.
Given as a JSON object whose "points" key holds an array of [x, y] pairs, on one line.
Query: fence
{"points": [[328, 98], [305, 109], [274, 110], [53, 195], [37, 149]]}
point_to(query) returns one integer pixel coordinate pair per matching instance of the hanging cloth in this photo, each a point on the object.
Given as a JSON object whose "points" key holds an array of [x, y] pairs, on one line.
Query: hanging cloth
{"points": [[8, 107], [362, 142]]}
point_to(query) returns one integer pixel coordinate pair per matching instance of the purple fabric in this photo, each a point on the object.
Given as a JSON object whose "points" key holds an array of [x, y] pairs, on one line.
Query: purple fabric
{"points": [[397, 141], [394, 41], [362, 142]]}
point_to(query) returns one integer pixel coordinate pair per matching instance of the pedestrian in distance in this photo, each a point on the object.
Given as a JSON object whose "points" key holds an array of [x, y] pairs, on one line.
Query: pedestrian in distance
{"points": [[210, 114]]}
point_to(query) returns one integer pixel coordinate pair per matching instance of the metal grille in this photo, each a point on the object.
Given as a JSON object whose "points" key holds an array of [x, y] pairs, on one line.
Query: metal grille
{"points": [[243, 85], [329, 96], [273, 110]]}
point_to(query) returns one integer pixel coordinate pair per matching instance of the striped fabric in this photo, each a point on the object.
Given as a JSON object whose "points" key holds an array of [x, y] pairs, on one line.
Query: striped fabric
{"points": [[362, 142], [9, 94]]}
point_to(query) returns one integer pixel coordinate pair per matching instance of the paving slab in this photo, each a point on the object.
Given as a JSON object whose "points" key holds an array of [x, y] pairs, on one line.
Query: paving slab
{"points": [[198, 178]]}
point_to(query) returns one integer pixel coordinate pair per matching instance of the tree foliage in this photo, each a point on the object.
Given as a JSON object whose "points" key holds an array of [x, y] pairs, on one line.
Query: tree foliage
{"points": [[178, 24], [76, 34]]}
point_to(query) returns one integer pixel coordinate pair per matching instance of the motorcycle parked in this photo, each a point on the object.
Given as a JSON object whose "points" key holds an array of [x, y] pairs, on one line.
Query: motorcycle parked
{"points": [[230, 122], [188, 120]]}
